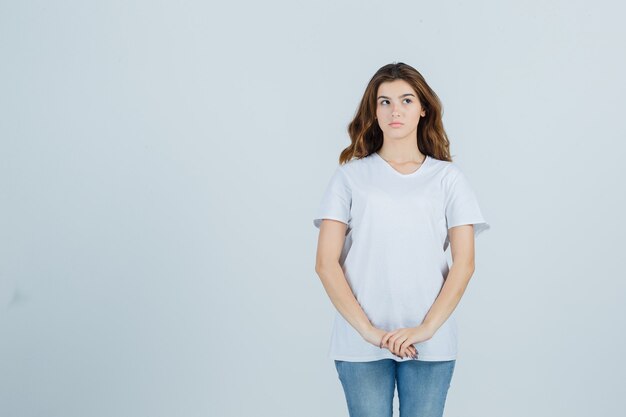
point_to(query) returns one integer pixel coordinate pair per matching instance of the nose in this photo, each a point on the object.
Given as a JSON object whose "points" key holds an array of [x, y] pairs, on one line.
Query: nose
{"points": [[394, 110]]}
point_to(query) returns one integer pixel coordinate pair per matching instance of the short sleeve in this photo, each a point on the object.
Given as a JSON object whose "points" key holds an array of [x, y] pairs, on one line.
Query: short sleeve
{"points": [[461, 204], [336, 200]]}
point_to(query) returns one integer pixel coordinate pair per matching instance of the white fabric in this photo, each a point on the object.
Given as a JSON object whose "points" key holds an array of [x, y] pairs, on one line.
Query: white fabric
{"points": [[394, 252]]}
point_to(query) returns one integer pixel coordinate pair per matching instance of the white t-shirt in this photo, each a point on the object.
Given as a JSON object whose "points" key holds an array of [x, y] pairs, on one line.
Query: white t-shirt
{"points": [[394, 252]]}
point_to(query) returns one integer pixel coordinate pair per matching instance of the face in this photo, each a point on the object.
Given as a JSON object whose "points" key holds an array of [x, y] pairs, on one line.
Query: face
{"points": [[398, 109]]}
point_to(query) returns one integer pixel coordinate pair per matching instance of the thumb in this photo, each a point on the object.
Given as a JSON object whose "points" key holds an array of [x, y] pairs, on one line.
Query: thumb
{"points": [[385, 339], [382, 341]]}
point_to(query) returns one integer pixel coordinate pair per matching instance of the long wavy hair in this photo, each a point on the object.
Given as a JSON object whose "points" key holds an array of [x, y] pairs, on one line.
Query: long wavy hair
{"points": [[366, 135]]}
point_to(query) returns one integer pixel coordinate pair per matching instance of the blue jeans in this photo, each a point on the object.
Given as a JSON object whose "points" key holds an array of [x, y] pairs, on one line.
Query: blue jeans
{"points": [[369, 387]]}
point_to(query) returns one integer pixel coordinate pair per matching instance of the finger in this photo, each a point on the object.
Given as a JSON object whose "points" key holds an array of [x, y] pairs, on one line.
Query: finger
{"points": [[382, 341], [391, 348], [393, 342], [398, 340], [386, 337], [396, 348], [389, 341], [408, 348], [408, 352], [402, 345]]}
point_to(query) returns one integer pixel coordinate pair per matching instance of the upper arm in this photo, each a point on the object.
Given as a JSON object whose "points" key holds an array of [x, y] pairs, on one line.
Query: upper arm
{"points": [[464, 218], [330, 242], [462, 244], [461, 203], [333, 218]]}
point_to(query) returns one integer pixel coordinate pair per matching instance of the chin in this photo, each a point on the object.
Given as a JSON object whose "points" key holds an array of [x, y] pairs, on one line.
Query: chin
{"points": [[397, 134]]}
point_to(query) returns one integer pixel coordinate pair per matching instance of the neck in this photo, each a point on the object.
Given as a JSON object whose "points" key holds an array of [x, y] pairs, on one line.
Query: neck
{"points": [[401, 152]]}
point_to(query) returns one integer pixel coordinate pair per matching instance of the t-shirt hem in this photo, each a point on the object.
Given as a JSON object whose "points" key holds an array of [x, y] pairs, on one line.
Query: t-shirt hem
{"points": [[424, 358]]}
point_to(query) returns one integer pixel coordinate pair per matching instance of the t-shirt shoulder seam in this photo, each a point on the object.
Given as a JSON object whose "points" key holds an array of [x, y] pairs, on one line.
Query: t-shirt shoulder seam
{"points": [[451, 170], [345, 168]]}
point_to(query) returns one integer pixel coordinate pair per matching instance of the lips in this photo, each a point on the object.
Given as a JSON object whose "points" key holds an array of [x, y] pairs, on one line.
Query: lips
{"points": [[396, 124]]}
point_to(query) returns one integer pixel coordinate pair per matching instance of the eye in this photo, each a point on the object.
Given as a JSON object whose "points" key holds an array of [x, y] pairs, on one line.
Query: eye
{"points": [[410, 101], [383, 101]]}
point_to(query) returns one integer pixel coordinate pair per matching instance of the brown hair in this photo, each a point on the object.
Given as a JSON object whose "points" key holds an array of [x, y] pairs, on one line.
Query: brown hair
{"points": [[367, 137]]}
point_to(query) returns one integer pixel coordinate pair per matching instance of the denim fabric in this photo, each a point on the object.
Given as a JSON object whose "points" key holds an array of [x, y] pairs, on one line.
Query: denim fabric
{"points": [[369, 387]]}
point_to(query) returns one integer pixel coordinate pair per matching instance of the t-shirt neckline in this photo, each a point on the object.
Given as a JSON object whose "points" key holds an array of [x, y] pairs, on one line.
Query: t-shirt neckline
{"points": [[411, 174]]}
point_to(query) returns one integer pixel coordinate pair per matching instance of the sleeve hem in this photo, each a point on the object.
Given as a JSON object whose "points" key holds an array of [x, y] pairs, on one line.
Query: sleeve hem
{"points": [[318, 221], [479, 226]]}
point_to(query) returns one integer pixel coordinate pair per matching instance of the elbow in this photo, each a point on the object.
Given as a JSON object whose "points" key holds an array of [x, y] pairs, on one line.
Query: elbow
{"points": [[319, 268], [323, 265], [468, 266]]}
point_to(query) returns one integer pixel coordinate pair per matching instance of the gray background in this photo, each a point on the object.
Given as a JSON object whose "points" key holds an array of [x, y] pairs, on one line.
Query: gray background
{"points": [[161, 164]]}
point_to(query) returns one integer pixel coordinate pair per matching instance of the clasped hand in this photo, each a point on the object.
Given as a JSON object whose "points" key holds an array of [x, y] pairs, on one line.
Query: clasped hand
{"points": [[400, 341]]}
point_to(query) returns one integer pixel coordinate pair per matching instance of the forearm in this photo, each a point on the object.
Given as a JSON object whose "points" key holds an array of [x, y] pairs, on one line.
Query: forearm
{"points": [[342, 297], [453, 288]]}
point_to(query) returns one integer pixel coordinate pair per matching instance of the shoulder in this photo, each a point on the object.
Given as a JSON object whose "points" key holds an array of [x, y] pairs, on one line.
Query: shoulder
{"points": [[444, 169], [355, 163], [448, 174], [356, 167]]}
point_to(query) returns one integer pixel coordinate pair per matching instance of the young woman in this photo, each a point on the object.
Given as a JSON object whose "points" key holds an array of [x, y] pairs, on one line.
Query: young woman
{"points": [[391, 209]]}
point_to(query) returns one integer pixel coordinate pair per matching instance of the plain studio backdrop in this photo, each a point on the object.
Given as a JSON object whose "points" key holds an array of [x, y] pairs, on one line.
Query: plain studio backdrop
{"points": [[161, 164]]}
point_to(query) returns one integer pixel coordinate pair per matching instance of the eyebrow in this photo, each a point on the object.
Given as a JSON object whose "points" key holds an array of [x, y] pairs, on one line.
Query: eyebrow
{"points": [[403, 95]]}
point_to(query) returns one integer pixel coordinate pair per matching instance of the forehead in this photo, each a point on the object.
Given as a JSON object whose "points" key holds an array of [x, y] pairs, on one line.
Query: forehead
{"points": [[395, 89]]}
